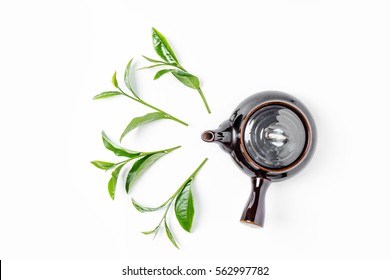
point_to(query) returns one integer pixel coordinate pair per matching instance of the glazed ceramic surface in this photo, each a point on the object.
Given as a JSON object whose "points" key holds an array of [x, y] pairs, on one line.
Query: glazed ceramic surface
{"points": [[270, 136]]}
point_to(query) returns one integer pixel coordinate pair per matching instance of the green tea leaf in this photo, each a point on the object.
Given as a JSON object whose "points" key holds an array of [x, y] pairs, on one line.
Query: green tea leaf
{"points": [[187, 79], [144, 209], [139, 167], [153, 66], [119, 151], [184, 207], [152, 231], [103, 164], [153, 60], [106, 94], [127, 75], [170, 235], [162, 72], [113, 180], [127, 78], [137, 122], [114, 80], [162, 47]]}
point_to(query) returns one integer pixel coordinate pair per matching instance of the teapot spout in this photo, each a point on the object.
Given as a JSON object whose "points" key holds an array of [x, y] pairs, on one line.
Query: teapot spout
{"points": [[208, 136], [222, 135]]}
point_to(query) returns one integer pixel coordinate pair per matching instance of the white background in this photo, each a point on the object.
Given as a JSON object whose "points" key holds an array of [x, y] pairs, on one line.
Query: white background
{"points": [[56, 55]]}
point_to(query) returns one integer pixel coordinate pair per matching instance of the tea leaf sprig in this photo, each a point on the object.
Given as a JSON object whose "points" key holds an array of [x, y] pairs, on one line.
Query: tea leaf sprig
{"points": [[146, 160], [184, 208], [182, 200], [165, 51], [159, 114]]}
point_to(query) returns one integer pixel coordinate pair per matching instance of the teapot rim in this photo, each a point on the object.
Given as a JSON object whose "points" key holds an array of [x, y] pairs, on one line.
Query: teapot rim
{"points": [[302, 117]]}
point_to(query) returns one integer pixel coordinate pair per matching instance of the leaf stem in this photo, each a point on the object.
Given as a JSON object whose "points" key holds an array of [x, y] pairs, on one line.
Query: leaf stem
{"points": [[170, 200], [166, 211], [204, 100], [198, 89], [125, 161], [139, 100], [180, 67], [197, 169], [165, 113], [160, 151], [164, 217]]}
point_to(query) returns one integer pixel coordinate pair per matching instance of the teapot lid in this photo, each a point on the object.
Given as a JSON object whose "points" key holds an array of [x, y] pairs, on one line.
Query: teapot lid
{"points": [[275, 136]]}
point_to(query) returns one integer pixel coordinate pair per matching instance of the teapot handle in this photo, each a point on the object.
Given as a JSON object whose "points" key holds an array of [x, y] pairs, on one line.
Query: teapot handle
{"points": [[254, 211]]}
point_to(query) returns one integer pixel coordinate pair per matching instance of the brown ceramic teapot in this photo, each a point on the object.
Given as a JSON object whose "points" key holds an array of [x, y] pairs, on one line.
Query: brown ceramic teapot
{"points": [[271, 136]]}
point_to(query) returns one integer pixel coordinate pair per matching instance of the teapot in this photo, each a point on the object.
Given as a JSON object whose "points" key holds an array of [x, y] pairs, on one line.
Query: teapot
{"points": [[270, 136]]}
